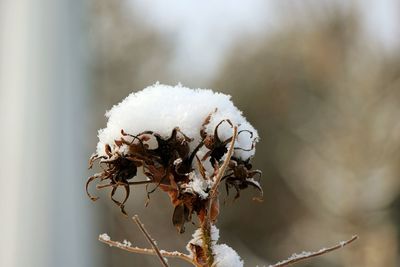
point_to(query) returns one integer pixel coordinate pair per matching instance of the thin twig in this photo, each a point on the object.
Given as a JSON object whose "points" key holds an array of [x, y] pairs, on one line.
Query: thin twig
{"points": [[148, 251], [150, 240], [221, 171], [307, 255], [100, 186]]}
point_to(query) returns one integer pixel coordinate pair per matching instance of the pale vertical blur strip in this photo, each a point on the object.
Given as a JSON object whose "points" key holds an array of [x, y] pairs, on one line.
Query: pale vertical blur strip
{"points": [[12, 57], [44, 213]]}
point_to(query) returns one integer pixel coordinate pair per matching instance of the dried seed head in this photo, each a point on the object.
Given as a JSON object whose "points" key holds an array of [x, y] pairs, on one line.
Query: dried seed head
{"points": [[177, 137]]}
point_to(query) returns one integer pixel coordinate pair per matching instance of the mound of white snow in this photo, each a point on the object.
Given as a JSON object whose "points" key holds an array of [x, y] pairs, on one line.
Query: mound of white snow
{"points": [[161, 108]]}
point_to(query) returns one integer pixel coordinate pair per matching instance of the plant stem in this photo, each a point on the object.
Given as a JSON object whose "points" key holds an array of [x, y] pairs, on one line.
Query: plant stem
{"points": [[213, 195], [207, 241], [221, 171], [150, 240]]}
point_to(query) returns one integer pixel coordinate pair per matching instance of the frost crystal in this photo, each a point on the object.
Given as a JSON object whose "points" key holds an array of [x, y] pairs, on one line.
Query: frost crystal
{"points": [[105, 237], [126, 243]]}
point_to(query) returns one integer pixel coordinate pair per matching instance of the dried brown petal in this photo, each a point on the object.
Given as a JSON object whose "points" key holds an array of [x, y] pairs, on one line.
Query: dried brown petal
{"points": [[178, 218], [88, 182]]}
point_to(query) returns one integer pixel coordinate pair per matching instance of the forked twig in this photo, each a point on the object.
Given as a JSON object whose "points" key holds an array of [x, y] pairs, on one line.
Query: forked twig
{"points": [[147, 251], [307, 255], [150, 240]]}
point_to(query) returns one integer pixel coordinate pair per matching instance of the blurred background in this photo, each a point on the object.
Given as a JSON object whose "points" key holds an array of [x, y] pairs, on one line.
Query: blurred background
{"points": [[320, 80]]}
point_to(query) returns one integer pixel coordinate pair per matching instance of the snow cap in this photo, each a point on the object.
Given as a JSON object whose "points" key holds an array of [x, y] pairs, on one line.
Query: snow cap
{"points": [[160, 108]]}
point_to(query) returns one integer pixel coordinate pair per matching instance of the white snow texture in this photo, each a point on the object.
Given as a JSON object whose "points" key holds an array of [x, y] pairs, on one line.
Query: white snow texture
{"points": [[224, 256], [160, 108]]}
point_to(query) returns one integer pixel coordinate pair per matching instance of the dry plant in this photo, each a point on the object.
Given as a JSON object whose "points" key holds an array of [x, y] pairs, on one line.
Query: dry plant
{"points": [[189, 163]]}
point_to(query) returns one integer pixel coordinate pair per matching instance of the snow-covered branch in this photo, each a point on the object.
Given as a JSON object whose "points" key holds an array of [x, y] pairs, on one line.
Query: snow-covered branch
{"points": [[127, 246], [308, 255]]}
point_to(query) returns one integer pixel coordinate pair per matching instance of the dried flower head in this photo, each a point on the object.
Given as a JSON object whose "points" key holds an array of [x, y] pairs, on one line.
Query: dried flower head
{"points": [[185, 142], [176, 137]]}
